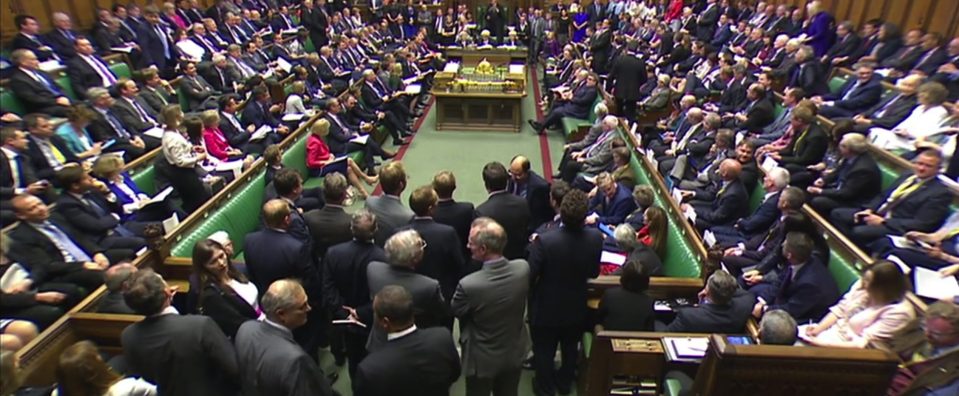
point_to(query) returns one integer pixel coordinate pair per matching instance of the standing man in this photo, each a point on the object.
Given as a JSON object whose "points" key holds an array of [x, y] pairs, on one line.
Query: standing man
{"points": [[537, 36], [490, 304], [509, 210], [525, 183], [561, 261], [442, 258], [628, 73], [390, 212], [271, 361], [495, 20]]}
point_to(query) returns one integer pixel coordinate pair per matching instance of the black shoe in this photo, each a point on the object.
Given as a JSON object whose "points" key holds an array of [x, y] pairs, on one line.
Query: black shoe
{"points": [[400, 142], [537, 126]]}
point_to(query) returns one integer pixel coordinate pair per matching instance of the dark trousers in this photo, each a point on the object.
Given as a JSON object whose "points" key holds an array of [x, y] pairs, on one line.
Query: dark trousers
{"points": [[545, 341], [355, 343], [627, 108], [862, 234], [824, 205], [505, 383]]}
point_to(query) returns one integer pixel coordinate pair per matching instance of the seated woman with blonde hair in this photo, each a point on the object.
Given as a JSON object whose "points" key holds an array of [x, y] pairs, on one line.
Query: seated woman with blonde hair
{"points": [[873, 310], [320, 161], [81, 371]]}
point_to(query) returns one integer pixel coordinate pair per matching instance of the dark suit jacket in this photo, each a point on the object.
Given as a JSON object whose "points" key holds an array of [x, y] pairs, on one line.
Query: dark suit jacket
{"points": [[758, 115], [729, 206], [236, 137], [196, 91], [714, 318], [34, 95], [104, 39], [130, 118], [511, 212], [428, 303], [423, 362], [895, 113], [811, 78], [623, 310], [537, 196], [153, 100], [629, 72], [272, 363], [615, 210], [809, 294], [84, 218], [39, 162], [225, 307], [271, 255], [21, 41], [845, 47], [83, 76], [62, 44], [202, 362], [443, 257], [259, 114], [458, 215], [854, 182], [151, 48], [924, 209], [221, 79], [763, 218], [27, 177], [113, 302], [344, 278], [930, 64], [561, 261], [860, 98], [35, 251], [733, 98], [806, 151], [904, 59], [329, 226], [582, 102]]}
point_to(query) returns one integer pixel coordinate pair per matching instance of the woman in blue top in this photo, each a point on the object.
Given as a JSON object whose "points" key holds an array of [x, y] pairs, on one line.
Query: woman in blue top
{"points": [[136, 204], [580, 22], [75, 134]]}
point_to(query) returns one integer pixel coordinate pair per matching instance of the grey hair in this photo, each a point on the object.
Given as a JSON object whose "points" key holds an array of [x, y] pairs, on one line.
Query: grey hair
{"points": [[713, 120], [363, 225], [491, 235], [97, 92], [777, 328], [403, 248], [780, 177], [722, 286], [281, 294], [855, 142], [601, 109], [625, 236]]}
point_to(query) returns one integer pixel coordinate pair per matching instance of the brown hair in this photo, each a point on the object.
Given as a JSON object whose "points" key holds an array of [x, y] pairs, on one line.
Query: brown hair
{"points": [[658, 222], [81, 371]]}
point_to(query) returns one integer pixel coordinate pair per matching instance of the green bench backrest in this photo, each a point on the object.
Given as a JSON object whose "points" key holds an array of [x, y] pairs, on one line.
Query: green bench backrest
{"points": [[10, 103], [778, 110], [295, 157], [889, 175], [66, 87], [145, 179], [835, 83], [184, 103], [121, 69], [756, 197], [679, 260], [843, 272], [308, 47]]}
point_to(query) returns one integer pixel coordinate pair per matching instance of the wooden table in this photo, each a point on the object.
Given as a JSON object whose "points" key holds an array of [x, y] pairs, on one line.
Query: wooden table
{"points": [[471, 55], [466, 111]]}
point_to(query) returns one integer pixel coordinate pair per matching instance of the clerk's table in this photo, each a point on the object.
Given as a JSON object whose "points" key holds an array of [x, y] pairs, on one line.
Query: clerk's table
{"points": [[480, 90]]}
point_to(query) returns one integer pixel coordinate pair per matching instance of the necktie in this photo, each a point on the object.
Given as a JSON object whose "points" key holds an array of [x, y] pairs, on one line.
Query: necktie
{"points": [[926, 57], [908, 186], [46, 83], [100, 211], [162, 37], [56, 153], [850, 91], [68, 35], [105, 74], [787, 278], [162, 98], [65, 244], [117, 126], [17, 172], [882, 111], [143, 114]]}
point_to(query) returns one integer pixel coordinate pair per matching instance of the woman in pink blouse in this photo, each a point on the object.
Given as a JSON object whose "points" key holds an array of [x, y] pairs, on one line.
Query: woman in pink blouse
{"points": [[874, 309], [216, 143]]}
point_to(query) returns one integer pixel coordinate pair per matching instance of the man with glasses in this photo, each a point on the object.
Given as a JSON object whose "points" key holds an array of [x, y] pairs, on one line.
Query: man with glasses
{"points": [[934, 368]]}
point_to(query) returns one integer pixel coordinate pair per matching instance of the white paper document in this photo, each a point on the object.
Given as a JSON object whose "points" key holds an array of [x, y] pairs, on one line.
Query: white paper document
{"points": [[284, 65], [932, 285], [50, 65], [261, 132], [709, 238], [170, 224], [125, 50], [162, 195], [685, 348], [517, 69], [677, 195], [414, 89], [293, 117], [361, 139], [612, 258], [690, 214], [191, 49], [769, 163], [906, 269], [155, 132], [231, 166]]}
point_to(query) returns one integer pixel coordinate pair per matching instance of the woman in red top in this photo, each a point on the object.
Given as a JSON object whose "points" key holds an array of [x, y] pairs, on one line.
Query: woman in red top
{"points": [[216, 143], [653, 233], [321, 161]]}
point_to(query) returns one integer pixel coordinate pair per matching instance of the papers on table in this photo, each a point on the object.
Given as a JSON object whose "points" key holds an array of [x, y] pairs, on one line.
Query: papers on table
{"points": [[414, 89], [930, 284], [485, 47], [690, 214], [517, 69], [802, 332], [685, 349], [155, 132], [261, 132], [284, 65], [651, 156], [360, 139], [124, 49], [451, 67], [50, 65], [170, 224], [677, 195], [612, 258], [769, 163]]}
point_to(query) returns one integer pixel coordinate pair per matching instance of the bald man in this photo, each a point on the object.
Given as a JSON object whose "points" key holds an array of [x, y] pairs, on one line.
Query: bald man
{"points": [[526, 183], [731, 203]]}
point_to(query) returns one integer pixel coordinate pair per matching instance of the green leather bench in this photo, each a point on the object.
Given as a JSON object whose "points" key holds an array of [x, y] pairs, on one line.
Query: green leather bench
{"points": [[10, 103], [835, 83], [572, 126], [121, 69], [65, 86], [145, 179]]}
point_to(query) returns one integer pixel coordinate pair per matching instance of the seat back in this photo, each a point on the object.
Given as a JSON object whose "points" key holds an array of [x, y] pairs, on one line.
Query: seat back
{"points": [[843, 271], [835, 83], [121, 69], [756, 197], [145, 179], [64, 83], [787, 370], [10, 103]]}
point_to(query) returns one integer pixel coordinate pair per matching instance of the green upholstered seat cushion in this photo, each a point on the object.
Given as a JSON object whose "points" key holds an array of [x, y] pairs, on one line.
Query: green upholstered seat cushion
{"points": [[237, 216], [889, 175], [587, 343], [65, 86], [843, 272], [673, 387], [10, 103], [756, 197], [835, 83], [121, 69], [295, 156], [571, 125]]}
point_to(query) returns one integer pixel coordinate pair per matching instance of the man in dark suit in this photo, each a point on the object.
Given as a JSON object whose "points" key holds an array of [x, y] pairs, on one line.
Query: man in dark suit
{"points": [[346, 290], [115, 278], [330, 225], [809, 74], [62, 36], [442, 258], [46, 150], [844, 51], [156, 92], [29, 38], [34, 88], [706, 22], [94, 213], [87, 70], [414, 360], [576, 104], [760, 221], [600, 45], [731, 202], [200, 95], [157, 48], [491, 304], [203, 361], [221, 76], [106, 125], [809, 145], [721, 33], [758, 112], [458, 215], [404, 250], [561, 261], [234, 131], [135, 115], [855, 181], [270, 361], [261, 111], [612, 203], [907, 56], [272, 253], [390, 212], [806, 290], [855, 96], [933, 55], [723, 308], [51, 250], [527, 184], [510, 211], [892, 109], [919, 202], [628, 74], [17, 175]]}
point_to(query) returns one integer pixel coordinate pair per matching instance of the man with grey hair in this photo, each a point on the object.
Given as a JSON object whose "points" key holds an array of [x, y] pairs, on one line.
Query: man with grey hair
{"points": [[115, 278], [107, 125], [34, 88], [404, 251], [761, 220], [723, 308], [851, 184], [491, 306], [625, 236], [595, 157], [270, 361], [855, 96], [62, 36], [777, 328], [810, 77], [346, 292]]}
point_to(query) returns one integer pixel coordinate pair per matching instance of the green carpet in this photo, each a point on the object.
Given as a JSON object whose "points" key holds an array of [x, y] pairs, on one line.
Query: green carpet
{"points": [[465, 153]]}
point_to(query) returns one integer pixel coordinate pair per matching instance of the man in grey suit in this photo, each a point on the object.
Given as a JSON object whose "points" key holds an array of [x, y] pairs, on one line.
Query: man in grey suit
{"points": [[491, 305], [390, 212], [270, 361], [404, 251]]}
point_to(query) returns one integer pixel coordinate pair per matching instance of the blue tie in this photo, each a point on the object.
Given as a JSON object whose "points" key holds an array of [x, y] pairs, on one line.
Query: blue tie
{"points": [[117, 126], [50, 86], [63, 241]]}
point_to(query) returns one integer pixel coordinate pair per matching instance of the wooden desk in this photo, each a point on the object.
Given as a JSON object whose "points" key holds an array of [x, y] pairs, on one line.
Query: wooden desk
{"points": [[478, 111], [496, 56]]}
